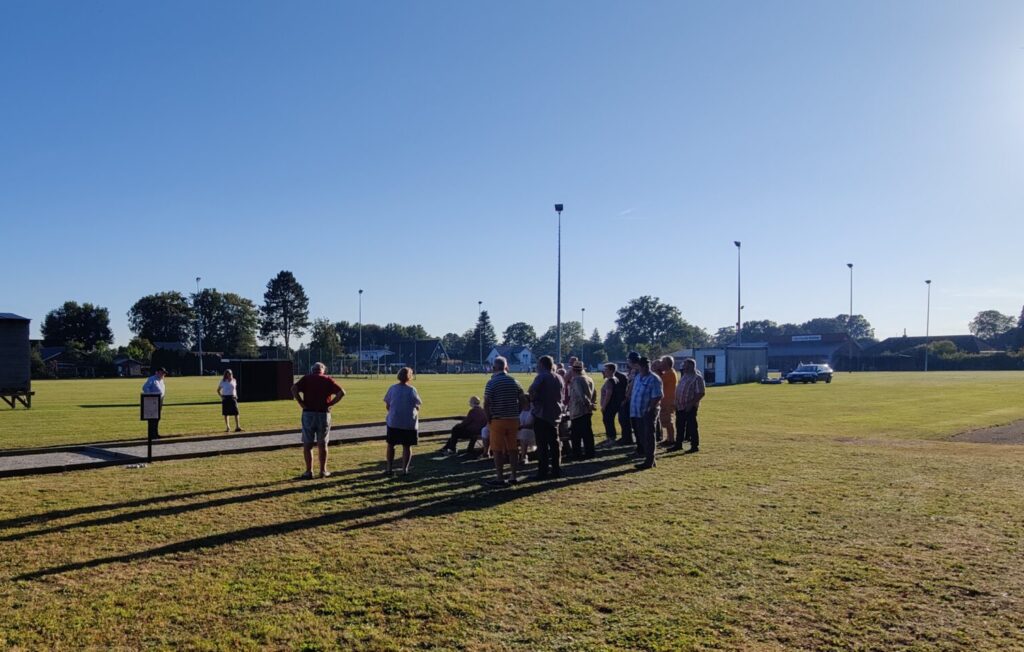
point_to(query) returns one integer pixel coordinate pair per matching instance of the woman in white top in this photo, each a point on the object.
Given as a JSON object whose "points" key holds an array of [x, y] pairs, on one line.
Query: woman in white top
{"points": [[228, 392]]}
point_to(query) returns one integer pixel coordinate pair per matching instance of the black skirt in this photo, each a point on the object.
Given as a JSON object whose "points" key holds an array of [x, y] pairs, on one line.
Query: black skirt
{"points": [[229, 406]]}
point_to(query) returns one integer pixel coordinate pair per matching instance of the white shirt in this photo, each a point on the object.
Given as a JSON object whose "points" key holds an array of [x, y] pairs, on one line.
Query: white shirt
{"points": [[228, 387], [154, 385]]}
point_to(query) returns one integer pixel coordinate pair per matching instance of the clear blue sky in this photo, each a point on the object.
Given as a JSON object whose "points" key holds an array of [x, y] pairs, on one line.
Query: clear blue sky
{"points": [[415, 149]]}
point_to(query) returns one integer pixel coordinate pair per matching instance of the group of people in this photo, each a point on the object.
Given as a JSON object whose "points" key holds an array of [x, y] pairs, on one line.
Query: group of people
{"points": [[560, 404], [512, 422], [227, 390]]}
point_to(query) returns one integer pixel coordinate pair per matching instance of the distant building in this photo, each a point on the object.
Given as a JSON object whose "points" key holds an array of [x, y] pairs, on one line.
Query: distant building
{"points": [[520, 358], [729, 365], [421, 355], [785, 352], [128, 367]]}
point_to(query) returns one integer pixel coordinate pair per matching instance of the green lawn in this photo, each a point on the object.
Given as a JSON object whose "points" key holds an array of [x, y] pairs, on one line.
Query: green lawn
{"points": [[825, 517]]}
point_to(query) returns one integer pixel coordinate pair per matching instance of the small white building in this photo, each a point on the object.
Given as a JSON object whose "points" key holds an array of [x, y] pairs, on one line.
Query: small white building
{"points": [[520, 358], [728, 365]]}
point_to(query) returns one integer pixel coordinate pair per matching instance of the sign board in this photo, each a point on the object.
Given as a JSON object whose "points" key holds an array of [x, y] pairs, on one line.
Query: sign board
{"points": [[149, 407], [806, 338]]}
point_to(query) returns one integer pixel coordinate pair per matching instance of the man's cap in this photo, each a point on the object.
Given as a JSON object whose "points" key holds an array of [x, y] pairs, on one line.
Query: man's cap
{"points": [[162, 370], [633, 355], [577, 365], [644, 361]]}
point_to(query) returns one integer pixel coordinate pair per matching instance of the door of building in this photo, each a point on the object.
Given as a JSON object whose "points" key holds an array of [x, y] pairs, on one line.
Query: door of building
{"points": [[709, 369]]}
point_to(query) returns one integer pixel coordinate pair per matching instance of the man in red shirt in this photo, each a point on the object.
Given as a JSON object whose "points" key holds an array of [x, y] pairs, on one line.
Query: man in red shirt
{"points": [[318, 393]]}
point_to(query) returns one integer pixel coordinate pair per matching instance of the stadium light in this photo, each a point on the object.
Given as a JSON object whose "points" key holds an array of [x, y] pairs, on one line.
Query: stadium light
{"points": [[558, 314]]}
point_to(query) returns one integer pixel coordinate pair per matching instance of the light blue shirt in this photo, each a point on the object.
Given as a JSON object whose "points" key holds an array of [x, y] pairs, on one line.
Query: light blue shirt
{"points": [[154, 385], [404, 402]]}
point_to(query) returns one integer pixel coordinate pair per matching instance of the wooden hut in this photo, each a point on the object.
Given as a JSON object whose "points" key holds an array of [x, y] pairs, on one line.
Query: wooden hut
{"points": [[15, 360]]}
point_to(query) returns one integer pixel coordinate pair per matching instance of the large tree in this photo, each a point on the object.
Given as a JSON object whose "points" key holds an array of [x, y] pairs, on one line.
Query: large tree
{"points": [[519, 334], [324, 340], [162, 317], [990, 324], [285, 310], [572, 339], [483, 337], [646, 320], [614, 347], [86, 324], [229, 322]]}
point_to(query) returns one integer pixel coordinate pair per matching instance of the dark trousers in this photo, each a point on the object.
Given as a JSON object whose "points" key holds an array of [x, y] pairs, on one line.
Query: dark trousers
{"points": [[646, 433], [547, 447], [608, 415], [626, 424], [686, 427], [462, 432], [582, 437]]}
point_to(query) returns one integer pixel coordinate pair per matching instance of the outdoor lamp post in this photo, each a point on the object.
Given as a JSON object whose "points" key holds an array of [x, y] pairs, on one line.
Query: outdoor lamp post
{"points": [[927, 322], [558, 317], [360, 332], [480, 331], [739, 319], [199, 328], [583, 342], [849, 321]]}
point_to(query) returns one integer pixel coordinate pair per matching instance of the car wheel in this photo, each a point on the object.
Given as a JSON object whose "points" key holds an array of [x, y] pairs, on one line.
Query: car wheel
{"points": [[828, 379]]}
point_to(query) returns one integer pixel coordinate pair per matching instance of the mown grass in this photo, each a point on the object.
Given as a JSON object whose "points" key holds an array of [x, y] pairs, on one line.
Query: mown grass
{"points": [[917, 406], [821, 517]]}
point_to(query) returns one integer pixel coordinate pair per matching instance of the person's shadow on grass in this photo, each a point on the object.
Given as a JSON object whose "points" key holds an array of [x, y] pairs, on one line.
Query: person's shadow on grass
{"points": [[436, 489]]}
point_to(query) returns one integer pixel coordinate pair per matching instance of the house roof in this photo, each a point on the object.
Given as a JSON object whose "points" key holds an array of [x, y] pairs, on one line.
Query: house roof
{"points": [[825, 344], [122, 360], [815, 337], [510, 351], [171, 346], [48, 353], [10, 316], [966, 343]]}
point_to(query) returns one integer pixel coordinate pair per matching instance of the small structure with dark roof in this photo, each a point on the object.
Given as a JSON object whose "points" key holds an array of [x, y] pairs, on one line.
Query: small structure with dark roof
{"points": [[15, 360], [786, 352], [520, 358]]}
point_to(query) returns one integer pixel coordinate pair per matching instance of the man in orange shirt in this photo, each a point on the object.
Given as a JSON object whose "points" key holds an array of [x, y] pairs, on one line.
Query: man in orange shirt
{"points": [[668, 379]]}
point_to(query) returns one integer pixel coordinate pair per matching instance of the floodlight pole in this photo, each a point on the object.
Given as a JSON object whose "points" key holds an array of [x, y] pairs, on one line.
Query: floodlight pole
{"points": [[199, 328], [360, 332], [927, 322], [739, 319], [558, 322], [480, 331], [583, 327], [849, 321]]}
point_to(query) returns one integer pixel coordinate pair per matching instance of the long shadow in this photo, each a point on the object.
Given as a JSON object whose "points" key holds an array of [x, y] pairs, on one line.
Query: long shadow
{"points": [[92, 406], [478, 498], [22, 521], [376, 482]]}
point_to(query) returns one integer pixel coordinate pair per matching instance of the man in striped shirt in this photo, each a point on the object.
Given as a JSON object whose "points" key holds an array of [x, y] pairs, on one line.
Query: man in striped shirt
{"points": [[501, 404]]}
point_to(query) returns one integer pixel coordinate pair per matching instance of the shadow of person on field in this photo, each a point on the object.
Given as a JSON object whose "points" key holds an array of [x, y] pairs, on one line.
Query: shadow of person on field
{"points": [[470, 496]]}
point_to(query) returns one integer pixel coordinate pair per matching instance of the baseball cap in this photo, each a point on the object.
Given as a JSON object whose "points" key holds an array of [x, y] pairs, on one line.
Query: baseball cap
{"points": [[161, 369], [633, 355]]}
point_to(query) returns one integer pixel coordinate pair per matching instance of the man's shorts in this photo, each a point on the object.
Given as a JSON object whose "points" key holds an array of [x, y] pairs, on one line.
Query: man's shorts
{"points": [[504, 435], [666, 415], [316, 427]]}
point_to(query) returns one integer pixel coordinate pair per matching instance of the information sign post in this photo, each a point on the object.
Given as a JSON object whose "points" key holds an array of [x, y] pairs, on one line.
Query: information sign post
{"points": [[149, 411]]}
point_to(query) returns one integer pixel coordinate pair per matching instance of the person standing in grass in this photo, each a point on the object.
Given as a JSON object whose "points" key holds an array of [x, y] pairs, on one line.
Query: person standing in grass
{"points": [[546, 399], [501, 404], [643, 408], [403, 404], [667, 372], [316, 393], [611, 399], [582, 400], [689, 393], [155, 385], [227, 389]]}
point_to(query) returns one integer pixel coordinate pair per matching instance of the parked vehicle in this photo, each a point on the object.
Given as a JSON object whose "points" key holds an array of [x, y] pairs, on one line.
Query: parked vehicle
{"points": [[810, 373]]}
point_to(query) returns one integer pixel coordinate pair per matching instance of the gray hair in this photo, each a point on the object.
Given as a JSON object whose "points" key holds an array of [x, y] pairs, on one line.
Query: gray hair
{"points": [[500, 363], [318, 368]]}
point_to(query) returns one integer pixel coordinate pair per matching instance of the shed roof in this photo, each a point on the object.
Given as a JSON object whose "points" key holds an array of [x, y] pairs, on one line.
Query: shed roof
{"points": [[10, 316]]}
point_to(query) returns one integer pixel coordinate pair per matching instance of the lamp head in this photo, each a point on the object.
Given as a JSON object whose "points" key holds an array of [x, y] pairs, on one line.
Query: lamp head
{"points": [[558, 208], [850, 265], [928, 282], [736, 242]]}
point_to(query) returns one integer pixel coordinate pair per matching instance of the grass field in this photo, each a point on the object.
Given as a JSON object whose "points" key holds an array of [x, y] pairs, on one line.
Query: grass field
{"points": [[826, 517]]}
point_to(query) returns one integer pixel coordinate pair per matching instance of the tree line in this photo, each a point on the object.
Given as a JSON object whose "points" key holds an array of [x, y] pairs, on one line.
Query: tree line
{"points": [[234, 325]]}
